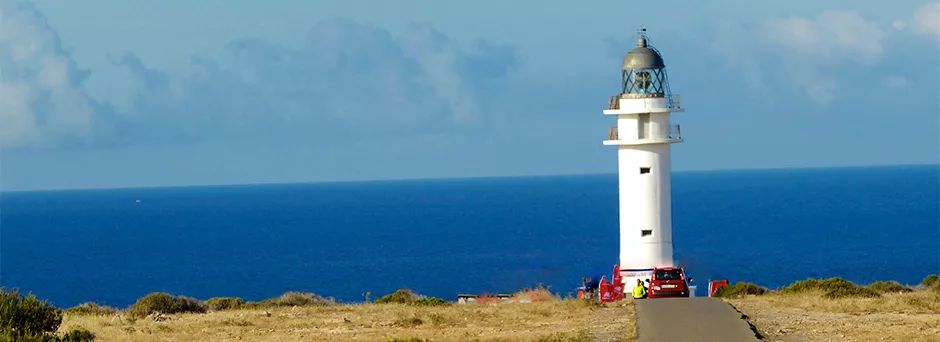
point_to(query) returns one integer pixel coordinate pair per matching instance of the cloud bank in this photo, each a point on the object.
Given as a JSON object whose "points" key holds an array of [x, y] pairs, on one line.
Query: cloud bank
{"points": [[344, 80], [41, 97], [927, 19]]}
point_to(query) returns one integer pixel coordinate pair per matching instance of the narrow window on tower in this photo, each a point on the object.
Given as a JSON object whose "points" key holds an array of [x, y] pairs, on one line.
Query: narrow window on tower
{"points": [[646, 232], [644, 170]]}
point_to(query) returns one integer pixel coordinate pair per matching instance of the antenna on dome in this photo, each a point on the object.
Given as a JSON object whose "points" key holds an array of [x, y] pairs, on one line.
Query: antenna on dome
{"points": [[642, 33]]}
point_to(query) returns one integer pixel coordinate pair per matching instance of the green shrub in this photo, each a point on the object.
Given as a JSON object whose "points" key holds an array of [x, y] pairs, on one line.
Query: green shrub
{"points": [[78, 335], [402, 296], [12, 336], [740, 289], [90, 308], [831, 288], [25, 318], [931, 281], [293, 298], [164, 303], [405, 296], [224, 303], [28, 319], [888, 287], [431, 301]]}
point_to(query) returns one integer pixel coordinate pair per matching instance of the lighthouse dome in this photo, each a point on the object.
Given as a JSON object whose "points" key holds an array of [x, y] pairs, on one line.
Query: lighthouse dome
{"points": [[643, 57]]}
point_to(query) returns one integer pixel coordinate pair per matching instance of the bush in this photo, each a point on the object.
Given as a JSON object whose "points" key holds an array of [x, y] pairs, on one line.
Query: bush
{"points": [[739, 289], [78, 335], [931, 281], [538, 293], [24, 318], [431, 301], [224, 303], [160, 302], [831, 288], [30, 319], [293, 298], [90, 308], [405, 296], [402, 296], [888, 287]]}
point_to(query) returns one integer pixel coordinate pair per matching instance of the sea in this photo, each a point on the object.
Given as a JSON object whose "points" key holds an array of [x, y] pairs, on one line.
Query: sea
{"points": [[349, 240]]}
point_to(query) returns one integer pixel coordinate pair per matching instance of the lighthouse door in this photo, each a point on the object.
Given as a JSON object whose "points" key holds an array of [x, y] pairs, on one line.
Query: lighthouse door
{"points": [[643, 126]]}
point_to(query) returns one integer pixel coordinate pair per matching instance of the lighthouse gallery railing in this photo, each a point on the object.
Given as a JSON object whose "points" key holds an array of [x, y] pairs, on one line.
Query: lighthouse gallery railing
{"points": [[672, 102], [672, 132]]}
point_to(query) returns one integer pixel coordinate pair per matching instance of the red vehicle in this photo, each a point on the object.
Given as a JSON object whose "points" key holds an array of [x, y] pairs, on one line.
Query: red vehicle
{"points": [[668, 282]]}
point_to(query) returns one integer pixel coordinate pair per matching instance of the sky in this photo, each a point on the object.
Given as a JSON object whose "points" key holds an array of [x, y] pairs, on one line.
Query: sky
{"points": [[108, 93]]}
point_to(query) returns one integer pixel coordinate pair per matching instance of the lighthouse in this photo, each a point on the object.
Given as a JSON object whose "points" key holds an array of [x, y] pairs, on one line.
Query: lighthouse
{"points": [[643, 137]]}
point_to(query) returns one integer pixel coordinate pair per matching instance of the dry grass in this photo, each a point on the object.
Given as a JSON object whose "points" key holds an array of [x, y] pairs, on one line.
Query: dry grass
{"points": [[550, 320], [917, 302], [896, 316]]}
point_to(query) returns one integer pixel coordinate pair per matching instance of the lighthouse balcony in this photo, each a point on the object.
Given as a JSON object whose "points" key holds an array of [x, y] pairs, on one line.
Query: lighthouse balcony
{"points": [[665, 135], [643, 103]]}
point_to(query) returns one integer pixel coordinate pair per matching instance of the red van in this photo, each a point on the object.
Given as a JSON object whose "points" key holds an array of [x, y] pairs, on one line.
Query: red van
{"points": [[668, 282]]}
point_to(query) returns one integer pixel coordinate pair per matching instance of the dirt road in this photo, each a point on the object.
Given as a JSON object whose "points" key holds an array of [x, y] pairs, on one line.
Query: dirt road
{"points": [[690, 319]]}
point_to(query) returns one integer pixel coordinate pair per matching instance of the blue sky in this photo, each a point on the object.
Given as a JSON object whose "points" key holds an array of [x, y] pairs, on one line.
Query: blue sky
{"points": [[121, 94]]}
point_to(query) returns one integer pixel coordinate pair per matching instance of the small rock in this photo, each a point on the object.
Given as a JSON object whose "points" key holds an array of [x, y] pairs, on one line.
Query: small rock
{"points": [[157, 317]]}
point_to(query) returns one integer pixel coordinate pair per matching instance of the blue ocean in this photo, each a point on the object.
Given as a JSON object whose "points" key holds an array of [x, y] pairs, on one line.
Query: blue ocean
{"points": [[444, 237]]}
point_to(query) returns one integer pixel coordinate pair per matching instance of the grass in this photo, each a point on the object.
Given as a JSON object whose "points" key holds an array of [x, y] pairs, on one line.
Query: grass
{"points": [[90, 308], [895, 302], [224, 303], [809, 315], [835, 309], [551, 320], [535, 294]]}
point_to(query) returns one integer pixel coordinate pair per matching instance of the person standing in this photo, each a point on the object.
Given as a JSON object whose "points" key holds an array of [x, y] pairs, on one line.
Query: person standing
{"points": [[639, 291]]}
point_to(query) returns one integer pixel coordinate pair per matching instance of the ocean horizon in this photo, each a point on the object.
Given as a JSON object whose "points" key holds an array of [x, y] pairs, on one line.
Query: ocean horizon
{"points": [[442, 237]]}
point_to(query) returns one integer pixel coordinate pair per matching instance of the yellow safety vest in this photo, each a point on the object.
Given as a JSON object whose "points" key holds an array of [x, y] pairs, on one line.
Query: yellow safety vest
{"points": [[639, 291]]}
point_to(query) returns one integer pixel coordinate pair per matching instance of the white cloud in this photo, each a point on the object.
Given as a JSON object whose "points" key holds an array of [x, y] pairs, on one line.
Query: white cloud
{"points": [[898, 25], [829, 37], [927, 19], [895, 81], [344, 80], [41, 98], [808, 50]]}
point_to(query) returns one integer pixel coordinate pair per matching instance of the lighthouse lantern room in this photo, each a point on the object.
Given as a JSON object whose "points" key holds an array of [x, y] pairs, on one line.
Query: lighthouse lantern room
{"points": [[643, 136]]}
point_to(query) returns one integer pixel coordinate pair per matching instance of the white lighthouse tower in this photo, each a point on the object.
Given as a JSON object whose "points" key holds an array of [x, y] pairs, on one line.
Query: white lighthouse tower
{"points": [[643, 136]]}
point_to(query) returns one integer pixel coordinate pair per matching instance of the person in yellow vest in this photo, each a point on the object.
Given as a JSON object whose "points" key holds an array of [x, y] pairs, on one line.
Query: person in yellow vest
{"points": [[639, 291]]}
